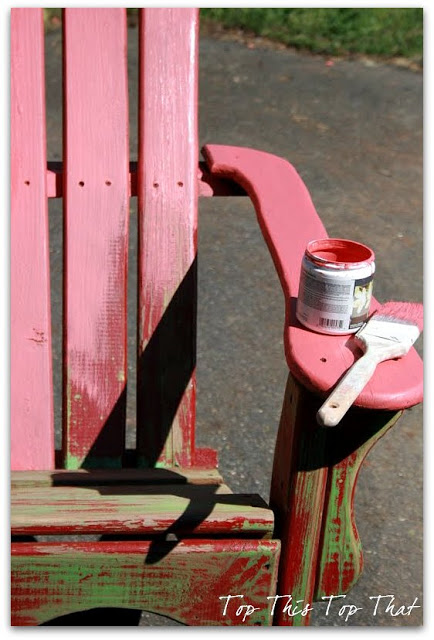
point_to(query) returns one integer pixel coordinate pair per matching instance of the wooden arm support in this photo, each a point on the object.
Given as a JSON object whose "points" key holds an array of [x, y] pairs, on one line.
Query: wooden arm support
{"points": [[288, 221]]}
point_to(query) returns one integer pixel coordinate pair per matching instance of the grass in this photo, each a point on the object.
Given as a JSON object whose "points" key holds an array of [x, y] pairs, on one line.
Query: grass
{"points": [[380, 32], [385, 33]]}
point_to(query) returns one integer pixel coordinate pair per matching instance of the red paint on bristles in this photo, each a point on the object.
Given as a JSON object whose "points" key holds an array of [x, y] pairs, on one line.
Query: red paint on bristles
{"points": [[407, 312]]}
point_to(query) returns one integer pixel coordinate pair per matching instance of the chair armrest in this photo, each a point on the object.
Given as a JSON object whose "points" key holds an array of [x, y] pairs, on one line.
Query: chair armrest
{"points": [[288, 221]]}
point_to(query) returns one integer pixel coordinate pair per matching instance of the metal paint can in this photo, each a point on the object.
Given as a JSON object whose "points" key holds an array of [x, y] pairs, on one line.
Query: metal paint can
{"points": [[335, 289]]}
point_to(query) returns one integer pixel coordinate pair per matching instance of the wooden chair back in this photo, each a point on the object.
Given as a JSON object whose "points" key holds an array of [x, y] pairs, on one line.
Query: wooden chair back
{"points": [[96, 181]]}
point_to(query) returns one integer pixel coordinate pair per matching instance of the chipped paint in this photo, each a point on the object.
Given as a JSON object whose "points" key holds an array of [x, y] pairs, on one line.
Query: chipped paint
{"points": [[186, 584], [341, 561], [183, 509], [38, 337]]}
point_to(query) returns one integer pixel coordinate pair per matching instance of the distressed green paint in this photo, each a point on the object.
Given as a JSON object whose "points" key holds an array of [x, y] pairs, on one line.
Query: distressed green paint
{"points": [[184, 584], [341, 559], [297, 494], [341, 546], [152, 508], [143, 463], [312, 495], [249, 525], [119, 477], [308, 504], [309, 486], [69, 461]]}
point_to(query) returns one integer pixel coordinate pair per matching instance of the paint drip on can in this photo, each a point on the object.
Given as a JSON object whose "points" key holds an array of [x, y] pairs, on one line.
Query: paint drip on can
{"points": [[336, 283]]}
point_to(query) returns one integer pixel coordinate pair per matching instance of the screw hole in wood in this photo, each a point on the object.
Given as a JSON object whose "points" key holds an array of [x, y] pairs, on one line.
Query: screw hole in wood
{"points": [[81, 183]]}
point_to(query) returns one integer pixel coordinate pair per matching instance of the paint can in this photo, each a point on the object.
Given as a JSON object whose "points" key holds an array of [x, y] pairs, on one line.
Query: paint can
{"points": [[335, 289]]}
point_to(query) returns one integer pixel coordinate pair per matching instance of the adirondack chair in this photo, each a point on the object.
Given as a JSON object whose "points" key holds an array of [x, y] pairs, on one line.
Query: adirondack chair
{"points": [[173, 539]]}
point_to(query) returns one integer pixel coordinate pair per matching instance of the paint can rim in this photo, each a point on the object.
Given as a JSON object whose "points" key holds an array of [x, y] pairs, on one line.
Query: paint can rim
{"points": [[339, 253]]}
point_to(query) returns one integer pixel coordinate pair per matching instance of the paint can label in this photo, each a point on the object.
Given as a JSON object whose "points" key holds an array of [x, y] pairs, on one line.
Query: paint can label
{"points": [[334, 294]]}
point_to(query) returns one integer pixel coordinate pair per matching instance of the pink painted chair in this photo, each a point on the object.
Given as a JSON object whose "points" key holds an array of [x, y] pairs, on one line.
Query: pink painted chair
{"points": [[173, 538]]}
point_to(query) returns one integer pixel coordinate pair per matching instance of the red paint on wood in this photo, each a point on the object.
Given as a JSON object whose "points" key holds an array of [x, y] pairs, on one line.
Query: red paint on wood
{"points": [[210, 527], [119, 477], [298, 489], [96, 221], [167, 204], [183, 508], [300, 541], [341, 560], [288, 222], [185, 584], [32, 428], [205, 458], [140, 548], [342, 570]]}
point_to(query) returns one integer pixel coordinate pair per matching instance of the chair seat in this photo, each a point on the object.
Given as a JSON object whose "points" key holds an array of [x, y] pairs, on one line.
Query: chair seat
{"points": [[143, 504]]}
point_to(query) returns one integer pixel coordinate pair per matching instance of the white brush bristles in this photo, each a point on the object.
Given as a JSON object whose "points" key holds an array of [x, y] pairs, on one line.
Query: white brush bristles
{"points": [[405, 312]]}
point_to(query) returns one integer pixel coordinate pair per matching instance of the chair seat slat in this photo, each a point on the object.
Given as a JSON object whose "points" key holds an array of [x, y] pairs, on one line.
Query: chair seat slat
{"points": [[146, 509]]}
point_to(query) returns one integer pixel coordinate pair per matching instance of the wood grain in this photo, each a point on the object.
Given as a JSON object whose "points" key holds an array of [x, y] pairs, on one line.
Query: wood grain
{"points": [[138, 509], [341, 557], [80, 477], [50, 580], [32, 435], [95, 236], [298, 490], [313, 485], [167, 205]]}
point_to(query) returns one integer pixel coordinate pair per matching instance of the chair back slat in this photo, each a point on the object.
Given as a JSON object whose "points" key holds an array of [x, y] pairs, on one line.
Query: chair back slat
{"points": [[95, 191], [32, 435], [167, 201]]}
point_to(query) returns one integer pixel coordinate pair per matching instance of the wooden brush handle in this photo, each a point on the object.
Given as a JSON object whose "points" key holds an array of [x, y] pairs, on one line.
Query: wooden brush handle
{"points": [[347, 390]]}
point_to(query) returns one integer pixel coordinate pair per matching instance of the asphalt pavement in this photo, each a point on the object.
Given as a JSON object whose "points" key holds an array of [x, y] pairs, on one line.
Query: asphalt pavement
{"points": [[353, 130]]}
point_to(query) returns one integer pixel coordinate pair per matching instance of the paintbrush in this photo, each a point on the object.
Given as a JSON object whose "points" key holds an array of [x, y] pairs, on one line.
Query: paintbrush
{"points": [[389, 333]]}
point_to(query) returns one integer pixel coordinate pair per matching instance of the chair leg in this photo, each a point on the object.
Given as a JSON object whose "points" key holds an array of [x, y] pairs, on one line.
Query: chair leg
{"points": [[341, 557], [312, 490], [297, 497]]}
